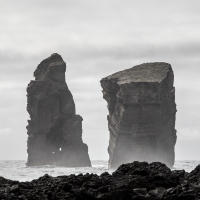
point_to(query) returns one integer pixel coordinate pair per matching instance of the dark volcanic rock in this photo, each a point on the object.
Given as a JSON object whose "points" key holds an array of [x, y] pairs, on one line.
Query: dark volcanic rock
{"points": [[142, 109], [54, 130], [133, 181]]}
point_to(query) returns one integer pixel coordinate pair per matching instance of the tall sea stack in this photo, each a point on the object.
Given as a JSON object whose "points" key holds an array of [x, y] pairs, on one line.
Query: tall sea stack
{"points": [[142, 113], [54, 129]]}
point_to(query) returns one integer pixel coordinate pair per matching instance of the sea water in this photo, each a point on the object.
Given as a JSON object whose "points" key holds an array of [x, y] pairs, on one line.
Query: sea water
{"points": [[17, 169]]}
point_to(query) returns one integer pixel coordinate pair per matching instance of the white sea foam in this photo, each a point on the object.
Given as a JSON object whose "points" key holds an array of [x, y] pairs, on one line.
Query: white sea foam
{"points": [[17, 169]]}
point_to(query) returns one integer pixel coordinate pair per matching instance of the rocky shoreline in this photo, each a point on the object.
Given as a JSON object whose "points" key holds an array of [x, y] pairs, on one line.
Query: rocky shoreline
{"points": [[137, 180]]}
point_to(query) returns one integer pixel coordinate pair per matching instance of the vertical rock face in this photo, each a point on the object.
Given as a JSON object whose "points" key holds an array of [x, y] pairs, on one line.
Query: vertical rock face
{"points": [[142, 109], [54, 130]]}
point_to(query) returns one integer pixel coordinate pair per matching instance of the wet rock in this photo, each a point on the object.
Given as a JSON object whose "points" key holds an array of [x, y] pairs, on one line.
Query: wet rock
{"points": [[156, 193], [194, 176], [54, 129], [141, 191], [135, 181], [141, 120], [14, 188]]}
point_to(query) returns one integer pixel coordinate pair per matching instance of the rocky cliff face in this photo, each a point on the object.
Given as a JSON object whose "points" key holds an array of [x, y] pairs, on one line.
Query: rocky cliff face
{"points": [[54, 129], [142, 109]]}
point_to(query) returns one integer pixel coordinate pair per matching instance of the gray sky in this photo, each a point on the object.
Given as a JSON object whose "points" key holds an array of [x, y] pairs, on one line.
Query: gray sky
{"points": [[96, 39]]}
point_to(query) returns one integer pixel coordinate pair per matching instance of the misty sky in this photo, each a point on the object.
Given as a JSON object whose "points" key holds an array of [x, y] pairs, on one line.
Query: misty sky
{"points": [[96, 39]]}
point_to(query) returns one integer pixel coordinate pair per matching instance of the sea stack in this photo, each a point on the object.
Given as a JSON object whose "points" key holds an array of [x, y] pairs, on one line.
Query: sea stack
{"points": [[54, 129], [142, 113]]}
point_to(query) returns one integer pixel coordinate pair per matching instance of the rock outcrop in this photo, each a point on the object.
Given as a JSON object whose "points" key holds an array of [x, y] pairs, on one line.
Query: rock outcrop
{"points": [[54, 129], [142, 109], [137, 180]]}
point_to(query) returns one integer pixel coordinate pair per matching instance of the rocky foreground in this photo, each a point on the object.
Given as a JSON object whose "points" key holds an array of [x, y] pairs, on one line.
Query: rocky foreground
{"points": [[137, 180]]}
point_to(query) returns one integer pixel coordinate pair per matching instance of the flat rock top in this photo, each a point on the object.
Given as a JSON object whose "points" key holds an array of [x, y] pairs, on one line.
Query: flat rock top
{"points": [[147, 72]]}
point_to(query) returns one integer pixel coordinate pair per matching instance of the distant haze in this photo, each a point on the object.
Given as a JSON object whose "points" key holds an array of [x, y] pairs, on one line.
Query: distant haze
{"points": [[96, 39]]}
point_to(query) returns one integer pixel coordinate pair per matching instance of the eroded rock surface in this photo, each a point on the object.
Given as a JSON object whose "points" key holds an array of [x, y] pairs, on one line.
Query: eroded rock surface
{"points": [[54, 129], [142, 109], [137, 180]]}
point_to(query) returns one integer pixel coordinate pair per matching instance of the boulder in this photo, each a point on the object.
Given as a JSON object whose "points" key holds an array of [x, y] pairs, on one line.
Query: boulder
{"points": [[54, 129], [142, 112]]}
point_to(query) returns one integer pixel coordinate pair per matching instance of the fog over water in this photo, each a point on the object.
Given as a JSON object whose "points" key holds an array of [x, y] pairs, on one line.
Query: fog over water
{"points": [[96, 39]]}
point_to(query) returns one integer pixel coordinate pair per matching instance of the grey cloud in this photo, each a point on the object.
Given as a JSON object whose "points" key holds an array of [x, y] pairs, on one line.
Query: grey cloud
{"points": [[96, 59], [5, 130], [94, 23], [95, 40], [131, 51]]}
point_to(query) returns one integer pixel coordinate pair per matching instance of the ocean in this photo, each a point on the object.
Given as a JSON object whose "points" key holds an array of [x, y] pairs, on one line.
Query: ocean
{"points": [[17, 169]]}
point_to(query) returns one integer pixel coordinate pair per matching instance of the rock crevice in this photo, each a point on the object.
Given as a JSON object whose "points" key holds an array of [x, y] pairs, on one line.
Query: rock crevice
{"points": [[54, 129]]}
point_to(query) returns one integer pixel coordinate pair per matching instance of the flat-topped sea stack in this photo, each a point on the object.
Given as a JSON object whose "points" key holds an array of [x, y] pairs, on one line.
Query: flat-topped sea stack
{"points": [[142, 113], [54, 129]]}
